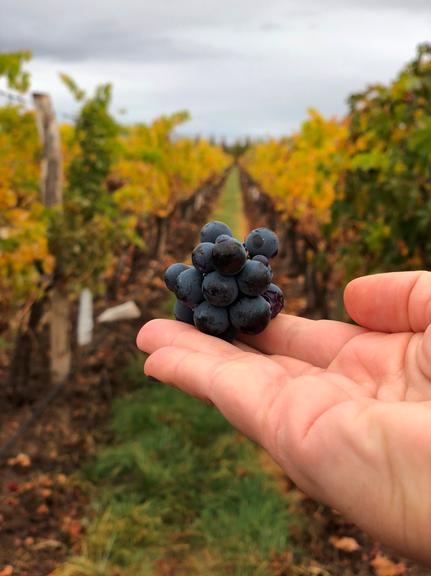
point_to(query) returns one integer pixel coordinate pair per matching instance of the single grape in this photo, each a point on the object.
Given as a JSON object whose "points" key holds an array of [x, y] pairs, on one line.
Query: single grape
{"points": [[188, 287], [261, 258], [229, 335], [183, 313], [211, 320], [172, 273], [212, 230], [202, 257], [264, 260], [262, 241], [229, 256], [219, 290], [254, 278], [222, 237], [250, 315], [275, 298]]}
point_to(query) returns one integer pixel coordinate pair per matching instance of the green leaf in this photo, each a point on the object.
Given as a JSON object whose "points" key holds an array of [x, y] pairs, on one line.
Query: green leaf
{"points": [[76, 91], [11, 67]]}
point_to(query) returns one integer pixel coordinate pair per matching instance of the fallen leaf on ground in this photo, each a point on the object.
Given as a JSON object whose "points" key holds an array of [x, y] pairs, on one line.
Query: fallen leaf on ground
{"points": [[46, 493], [383, 566], [47, 544], [42, 509], [45, 481], [22, 460], [74, 529], [61, 479], [7, 571], [317, 570], [345, 543]]}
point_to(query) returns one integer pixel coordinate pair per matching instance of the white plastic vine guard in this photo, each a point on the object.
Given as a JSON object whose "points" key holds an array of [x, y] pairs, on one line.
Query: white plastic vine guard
{"points": [[85, 318], [126, 311]]}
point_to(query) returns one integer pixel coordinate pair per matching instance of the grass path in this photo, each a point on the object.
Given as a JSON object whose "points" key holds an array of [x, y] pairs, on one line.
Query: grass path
{"points": [[180, 492], [230, 208]]}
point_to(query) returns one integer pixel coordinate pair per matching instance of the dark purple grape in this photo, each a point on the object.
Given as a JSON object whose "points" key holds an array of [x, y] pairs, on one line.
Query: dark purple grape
{"points": [[212, 230], [229, 256], [188, 287], [261, 258], [202, 257], [264, 260], [219, 290], [254, 278], [275, 298], [250, 315], [211, 320], [222, 237], [262, 241], [183, 313], [172, 273], [229, 335]]}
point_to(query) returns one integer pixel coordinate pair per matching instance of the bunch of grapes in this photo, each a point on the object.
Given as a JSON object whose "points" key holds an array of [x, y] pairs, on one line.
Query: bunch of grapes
{"points": [[229, 287]]}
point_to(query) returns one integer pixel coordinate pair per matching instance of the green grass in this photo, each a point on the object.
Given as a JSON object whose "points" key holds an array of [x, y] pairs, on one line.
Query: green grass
{"points": [[230, 208], [179, 486]]}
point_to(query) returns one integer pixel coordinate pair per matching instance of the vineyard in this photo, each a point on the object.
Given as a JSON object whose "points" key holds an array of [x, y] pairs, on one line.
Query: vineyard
{"points": [[104, 471]]}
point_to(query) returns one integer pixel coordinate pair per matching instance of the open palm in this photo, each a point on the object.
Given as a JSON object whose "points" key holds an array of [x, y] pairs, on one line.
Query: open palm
{"points": [[344, 409]]}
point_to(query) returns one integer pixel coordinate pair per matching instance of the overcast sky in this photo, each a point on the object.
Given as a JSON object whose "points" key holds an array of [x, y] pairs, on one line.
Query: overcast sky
{"points": [[242, 67]]}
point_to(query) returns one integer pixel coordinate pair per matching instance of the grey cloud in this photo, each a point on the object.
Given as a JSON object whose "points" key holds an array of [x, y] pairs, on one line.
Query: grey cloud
{"points": [[271, 26], [76, 35], [407, 5], [103, 44], [161, 30], [95, 28]]}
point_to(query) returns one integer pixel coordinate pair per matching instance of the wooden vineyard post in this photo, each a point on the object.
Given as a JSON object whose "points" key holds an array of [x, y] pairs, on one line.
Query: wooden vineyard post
{"points": [[52, 195], [52, 168], [162, 235]]}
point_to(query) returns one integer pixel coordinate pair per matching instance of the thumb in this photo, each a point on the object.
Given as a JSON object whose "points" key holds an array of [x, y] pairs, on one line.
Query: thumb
{"points": [[391, 302]]}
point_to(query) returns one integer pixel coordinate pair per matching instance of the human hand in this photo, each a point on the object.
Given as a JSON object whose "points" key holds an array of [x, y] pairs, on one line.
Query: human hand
{"points": [[344, 409]]}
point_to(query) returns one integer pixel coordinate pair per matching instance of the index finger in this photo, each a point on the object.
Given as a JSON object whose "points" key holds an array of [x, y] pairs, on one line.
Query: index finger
{"points": [[314, 341]]}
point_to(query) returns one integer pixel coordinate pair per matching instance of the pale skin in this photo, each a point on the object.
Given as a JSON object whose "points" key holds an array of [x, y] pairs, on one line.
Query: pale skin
{"points": [[345, 410]]}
